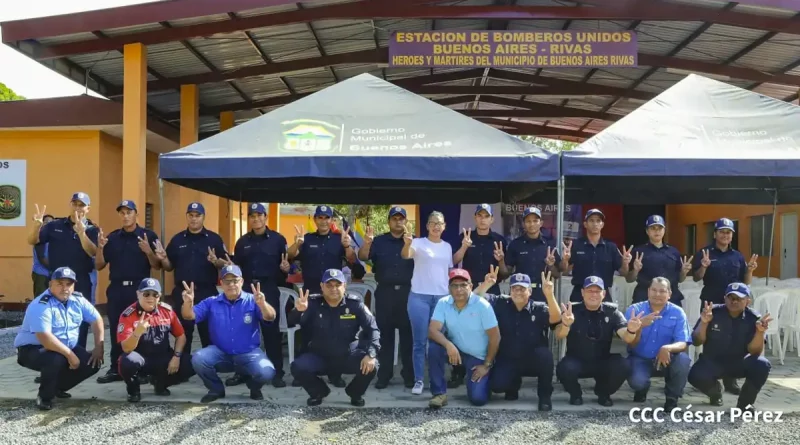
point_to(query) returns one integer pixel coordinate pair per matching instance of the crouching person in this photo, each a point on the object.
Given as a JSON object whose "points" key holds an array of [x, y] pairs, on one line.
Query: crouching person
{"points": [[463, 331]]}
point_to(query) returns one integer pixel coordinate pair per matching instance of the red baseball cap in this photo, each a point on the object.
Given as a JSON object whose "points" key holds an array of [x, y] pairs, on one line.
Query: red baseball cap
{"points": [[459, 273]]}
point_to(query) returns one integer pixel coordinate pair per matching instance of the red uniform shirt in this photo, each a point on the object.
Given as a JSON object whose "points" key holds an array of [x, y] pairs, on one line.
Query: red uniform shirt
{"points": [[163, 321]]}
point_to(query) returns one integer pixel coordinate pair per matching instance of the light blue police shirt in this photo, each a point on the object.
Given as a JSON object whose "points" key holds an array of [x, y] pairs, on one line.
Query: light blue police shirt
{"points": [[47, 314], [672, 327], [467, 328]]}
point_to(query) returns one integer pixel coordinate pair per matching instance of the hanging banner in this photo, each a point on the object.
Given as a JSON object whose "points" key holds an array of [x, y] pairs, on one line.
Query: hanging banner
{"points": [[531, 49], [12, 193], [514, 227]]}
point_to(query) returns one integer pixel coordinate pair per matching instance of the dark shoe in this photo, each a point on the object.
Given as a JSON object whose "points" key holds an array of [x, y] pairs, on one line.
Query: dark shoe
{"points": [[210, 397], [748, 408], [134, 398], [732, 386], [237, 379], [670, 405], [162, 392], [456, 379], [640, 396], [381, 384], [715, 400], [37, 380], [317, 400], [409, 383], [296, 384], [143, 379], [576, 400], [110, 377], [545, 405], [278, 382], [605, 401], [44, 405], [357, 401], [256, 394], [512, 395], [63, 395], [337, 381]]}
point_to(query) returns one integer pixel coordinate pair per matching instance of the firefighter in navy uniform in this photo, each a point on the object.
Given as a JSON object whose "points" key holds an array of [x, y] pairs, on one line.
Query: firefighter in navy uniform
{"points": [[344, 339], [143, 332], [129, 254], [531, 253]]}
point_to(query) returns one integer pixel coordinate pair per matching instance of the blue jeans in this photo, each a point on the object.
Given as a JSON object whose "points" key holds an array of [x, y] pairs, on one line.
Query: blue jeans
{"points": [[675, 374], [210, 360], [477, 392], [420, 310]]}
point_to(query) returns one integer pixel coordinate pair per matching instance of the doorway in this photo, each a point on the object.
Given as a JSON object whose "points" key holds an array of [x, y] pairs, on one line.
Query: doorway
{"points": [[788, 246]]}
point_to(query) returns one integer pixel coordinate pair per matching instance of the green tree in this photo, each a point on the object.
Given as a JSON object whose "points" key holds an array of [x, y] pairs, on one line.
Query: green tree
{"points": [[553, 145], [7, 94]]}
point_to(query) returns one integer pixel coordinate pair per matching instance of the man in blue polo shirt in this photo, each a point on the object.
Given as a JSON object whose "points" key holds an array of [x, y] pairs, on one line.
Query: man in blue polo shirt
{"points": [[233, 324], [463, 331], [659, 347], [48, 340]]}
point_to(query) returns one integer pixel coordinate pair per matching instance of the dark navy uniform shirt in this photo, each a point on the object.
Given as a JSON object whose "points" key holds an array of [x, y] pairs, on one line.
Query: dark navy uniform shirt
{"points": [[591, 333], [727, 337], [259, 257], [726, 267], [601, 260], [664, 261], [334, 332], [520, 330], [480, 256], [526, 255], [64, 249], [188, 253], [155, 341], [126, 261], [387, 264], [317, 254]]}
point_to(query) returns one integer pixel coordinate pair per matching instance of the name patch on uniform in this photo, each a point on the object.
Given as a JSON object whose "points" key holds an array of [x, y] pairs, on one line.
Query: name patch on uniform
{"points": [[347, 317], [129, 310]]}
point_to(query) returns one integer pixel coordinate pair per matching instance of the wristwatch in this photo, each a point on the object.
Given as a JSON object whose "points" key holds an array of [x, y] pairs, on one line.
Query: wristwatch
{"points": [[372, 354], [178, 354], [488, 365]]}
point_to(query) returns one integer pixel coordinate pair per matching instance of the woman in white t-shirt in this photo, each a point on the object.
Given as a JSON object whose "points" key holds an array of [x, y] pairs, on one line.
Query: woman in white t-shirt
{"points": [[433, 259]]}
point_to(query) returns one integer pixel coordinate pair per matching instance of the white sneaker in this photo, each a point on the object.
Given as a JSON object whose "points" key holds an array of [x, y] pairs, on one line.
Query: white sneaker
{"points": [[418, 387]]}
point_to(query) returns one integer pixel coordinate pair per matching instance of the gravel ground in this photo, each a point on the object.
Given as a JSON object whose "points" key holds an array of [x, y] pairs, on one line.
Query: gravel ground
{"points": [[107, 423]]}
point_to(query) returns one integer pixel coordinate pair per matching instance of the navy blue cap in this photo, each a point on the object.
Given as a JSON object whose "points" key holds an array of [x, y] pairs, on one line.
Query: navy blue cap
{"points": [[82, 197], [333, 274], [739, 289], [532, 211], [485, 207], [724, 223], [256, 207], [127, 204], [230, 270], [324, 211], [196, 207], [64, 273], [520, 279], [398, 211], [150, 284], [593, 281], [594, 212], [656, 220]]}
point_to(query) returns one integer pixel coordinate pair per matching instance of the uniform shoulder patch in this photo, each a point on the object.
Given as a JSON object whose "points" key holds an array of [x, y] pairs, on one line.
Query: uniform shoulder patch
{"points": [[315, 296], [120, 328], [353, 297], [166, 306], [45, 299], [129, 311]]}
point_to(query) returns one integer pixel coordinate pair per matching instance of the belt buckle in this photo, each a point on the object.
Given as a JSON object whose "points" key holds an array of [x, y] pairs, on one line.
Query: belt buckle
{"points": [[397, 287], [127, 283], [534, 285]]}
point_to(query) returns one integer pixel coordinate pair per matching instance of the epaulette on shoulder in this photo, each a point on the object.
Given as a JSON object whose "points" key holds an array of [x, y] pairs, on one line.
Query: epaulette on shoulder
{"points": [[353, 297], [539, 303], [166, 306], [614, 306], [114, 232], [129, 311], [315, 296], [78, 294], [45, 299]]}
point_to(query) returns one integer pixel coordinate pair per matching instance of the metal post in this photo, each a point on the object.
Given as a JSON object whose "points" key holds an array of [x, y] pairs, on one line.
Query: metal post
{"points": [[163, 219], [772, 233], [562, 346]]}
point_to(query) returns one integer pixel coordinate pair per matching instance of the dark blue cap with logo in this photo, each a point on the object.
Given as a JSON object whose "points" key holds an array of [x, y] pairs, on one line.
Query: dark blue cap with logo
{"points": [[127, 204], [64, 273], [397, 211], [739, 289], [324, 211], [256, 207], [82, 197], [520, 279], [655, 220], [532, 211], [724, 223], [196, 207], [150, 284], [333, 274], [231, 270], [485, 207], [593, 281], [594, 212]]}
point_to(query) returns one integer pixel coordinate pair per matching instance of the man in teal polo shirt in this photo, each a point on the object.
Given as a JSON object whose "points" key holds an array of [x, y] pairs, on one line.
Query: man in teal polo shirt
{"points": [[463, 331]]}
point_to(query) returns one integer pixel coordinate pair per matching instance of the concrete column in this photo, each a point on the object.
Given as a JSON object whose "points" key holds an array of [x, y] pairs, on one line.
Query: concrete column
{"points": [[134, 124]]}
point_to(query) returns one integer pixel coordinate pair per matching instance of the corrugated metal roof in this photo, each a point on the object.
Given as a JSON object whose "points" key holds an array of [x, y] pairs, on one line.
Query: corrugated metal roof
{"points": [[173, 60]]}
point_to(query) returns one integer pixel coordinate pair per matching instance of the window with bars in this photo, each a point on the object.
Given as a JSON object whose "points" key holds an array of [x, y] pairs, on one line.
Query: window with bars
{"points": [[760, 234]]}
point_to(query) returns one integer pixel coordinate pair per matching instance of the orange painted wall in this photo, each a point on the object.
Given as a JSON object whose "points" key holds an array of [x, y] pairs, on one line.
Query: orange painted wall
{"points": [[681, 216]]}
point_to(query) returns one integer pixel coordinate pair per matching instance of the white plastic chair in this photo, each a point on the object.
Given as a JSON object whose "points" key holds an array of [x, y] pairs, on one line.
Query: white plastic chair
{"points": [[693, 307], [283, 325], [772, 302], [789, 320]]}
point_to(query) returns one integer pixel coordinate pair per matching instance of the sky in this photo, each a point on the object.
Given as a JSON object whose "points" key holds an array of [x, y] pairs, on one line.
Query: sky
{"points": [[27, 77]]}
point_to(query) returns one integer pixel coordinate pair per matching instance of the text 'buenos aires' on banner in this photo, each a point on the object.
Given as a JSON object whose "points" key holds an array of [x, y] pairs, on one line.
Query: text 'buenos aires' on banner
{"points": [[535, 49]]}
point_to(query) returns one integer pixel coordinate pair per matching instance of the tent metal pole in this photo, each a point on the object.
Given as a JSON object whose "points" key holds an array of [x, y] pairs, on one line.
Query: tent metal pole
{"points": [[239, 217], [562, 347], [162, 219], [772, 233]]}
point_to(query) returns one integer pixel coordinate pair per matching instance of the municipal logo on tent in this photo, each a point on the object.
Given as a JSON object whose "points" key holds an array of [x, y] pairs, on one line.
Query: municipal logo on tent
{"points": [[310, 136], [10, 202]]}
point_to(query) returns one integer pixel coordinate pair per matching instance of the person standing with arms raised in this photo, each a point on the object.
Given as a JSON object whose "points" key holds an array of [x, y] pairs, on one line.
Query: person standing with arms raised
{"points": [[433, 259]]}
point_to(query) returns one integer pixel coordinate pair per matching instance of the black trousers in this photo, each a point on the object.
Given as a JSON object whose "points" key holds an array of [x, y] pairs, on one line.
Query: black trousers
{"points": [[507, 373], [120, 295], [40, 283], [54, 368], [609, 374], [307, 368], [200, 294], [84, 286], [391, 302], [271, 334], [133, 364]]}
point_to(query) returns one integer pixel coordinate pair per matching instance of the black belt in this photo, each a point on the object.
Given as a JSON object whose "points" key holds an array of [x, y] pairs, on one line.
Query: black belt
{"points": [[126, 283]]}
